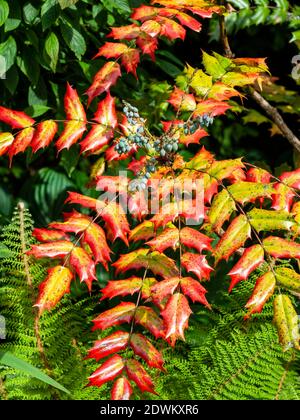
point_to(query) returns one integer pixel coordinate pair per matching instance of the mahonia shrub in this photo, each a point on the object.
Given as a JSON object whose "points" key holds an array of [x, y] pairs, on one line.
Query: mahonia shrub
{"points": [[178, 217]]}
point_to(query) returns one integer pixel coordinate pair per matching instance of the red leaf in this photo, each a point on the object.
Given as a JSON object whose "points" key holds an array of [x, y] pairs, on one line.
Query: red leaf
{"points": [[107, 372], [143, 231], [281, 248], [182, 101], [138, 205], [108, 345], [168, 239], [151, 27], [44, 135], [145, 349], [96, 139], [112, 184], [103, 80], [176, 315], [121, 389], [196, 264], [258, 175], [106, 112], [84, 266], [235, 236], [101, 134], [211, 107], [73, 131], [112, 50], [283, 200], [149, 319], [94, 235], [54, 287], [183, 18], [73, 107], [6, 140], [193, 138], [16, 119], [250, 260], [56, 249], [264, 288], [130, 60], [46, 235], [121, 287], [164, 289], [144, 13], [194, 290], [158, 263], [136, 165], [125, 32], [22, 141], [292, 179], [116, 221], [170, 28], [83, 200], [137, 373], [115, 316], [147, 44]]}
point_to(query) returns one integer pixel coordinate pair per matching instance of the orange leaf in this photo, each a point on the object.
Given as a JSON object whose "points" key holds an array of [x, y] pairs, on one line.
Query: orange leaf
{"points": [[54, 287], [176, 315], [73, 131], [16, 119], [44, 135], [22, 141], [6, 140], [250, 260], [84, 266], [73, 107], [46, 235], [264, 288], [103, 80]]}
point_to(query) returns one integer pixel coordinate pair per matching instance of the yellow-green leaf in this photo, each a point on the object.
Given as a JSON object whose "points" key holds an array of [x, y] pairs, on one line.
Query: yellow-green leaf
{"points": [[288, 278], [287, 322], [266, 220]]}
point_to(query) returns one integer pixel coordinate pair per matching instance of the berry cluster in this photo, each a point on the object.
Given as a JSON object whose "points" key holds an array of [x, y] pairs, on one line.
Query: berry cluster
{"points": [[140, 183], [136, 136], [166, 145], [190, 127]]}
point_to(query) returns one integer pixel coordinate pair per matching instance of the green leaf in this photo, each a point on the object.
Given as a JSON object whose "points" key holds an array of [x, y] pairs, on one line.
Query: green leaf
{"points": [[288, 278], [49, 13], [69, 159], [37, 95], [198, 80], [36, 110], [169, 68], [14, 17], [29, 65], [266, 220], [9, 359], [8, 51], [287, 322], [52, 50], [213, 66], [66, 3], [30, 13], [73, 38], [12, 79], [4, 251], [6, 202], [4, 11]]}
